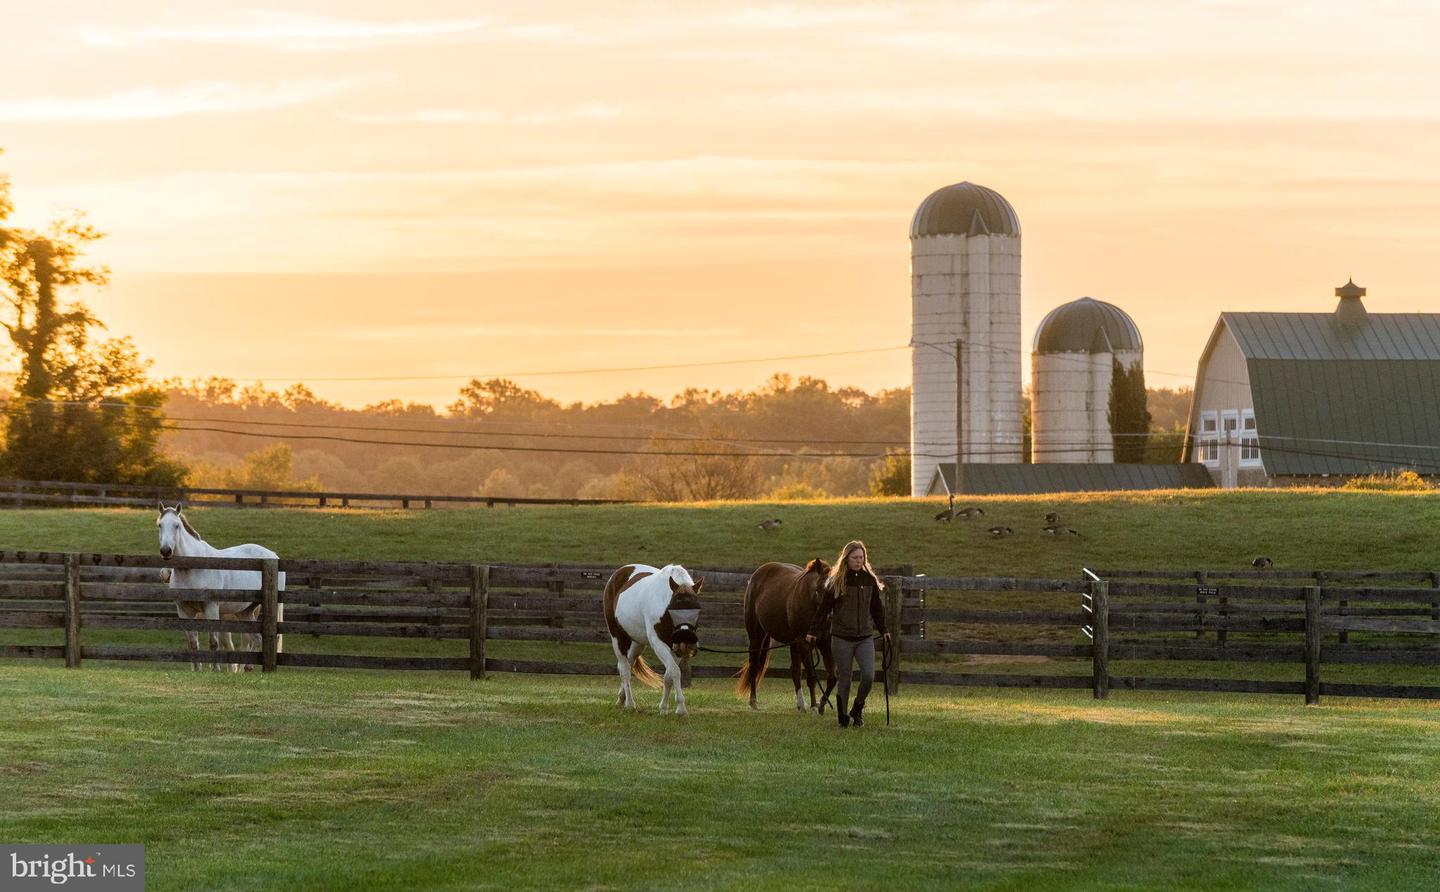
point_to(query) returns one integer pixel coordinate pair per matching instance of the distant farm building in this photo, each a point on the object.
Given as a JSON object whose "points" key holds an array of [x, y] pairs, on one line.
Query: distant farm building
{"points": [[1077, 348], [967, 356], [965, 314], [1291, 397]]}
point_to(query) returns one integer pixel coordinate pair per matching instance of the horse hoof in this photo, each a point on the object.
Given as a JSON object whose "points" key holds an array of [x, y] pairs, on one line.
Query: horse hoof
{"points": [[682, 711], [754, 706]]}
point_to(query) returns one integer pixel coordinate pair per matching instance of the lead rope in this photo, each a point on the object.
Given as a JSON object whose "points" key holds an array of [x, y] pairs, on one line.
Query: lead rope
{"points": [[885, 661]]}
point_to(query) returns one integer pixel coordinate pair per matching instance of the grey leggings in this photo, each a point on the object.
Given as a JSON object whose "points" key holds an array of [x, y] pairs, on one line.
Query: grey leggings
{"points": [[845, 654]]}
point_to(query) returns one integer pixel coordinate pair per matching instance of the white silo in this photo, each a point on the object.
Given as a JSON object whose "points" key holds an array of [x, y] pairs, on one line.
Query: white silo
{"points": [[1072, 368], [964, 287]]}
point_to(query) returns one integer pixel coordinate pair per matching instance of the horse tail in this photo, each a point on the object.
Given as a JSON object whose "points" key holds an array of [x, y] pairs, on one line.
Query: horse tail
{"points": [[750, 676], [644, 674]]}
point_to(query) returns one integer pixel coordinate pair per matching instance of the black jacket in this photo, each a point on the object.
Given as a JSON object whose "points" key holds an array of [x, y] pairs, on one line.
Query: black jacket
{"points": [[858, 611]]}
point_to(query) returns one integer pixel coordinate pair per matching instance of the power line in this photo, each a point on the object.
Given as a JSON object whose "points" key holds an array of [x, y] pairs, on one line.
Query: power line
{"points": [[599, 371]]}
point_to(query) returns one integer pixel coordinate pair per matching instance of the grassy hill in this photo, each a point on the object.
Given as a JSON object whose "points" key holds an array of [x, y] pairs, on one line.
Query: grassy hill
{"points": [[1298, 529], [388, 780]]}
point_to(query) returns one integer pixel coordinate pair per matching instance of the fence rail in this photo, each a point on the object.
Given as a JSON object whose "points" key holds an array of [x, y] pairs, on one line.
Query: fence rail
{"points": [[20, 493], [1097, 633]]}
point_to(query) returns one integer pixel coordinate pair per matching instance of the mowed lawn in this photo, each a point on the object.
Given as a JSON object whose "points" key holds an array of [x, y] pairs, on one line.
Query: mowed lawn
{"points": [[317, 779], [366, 780]]}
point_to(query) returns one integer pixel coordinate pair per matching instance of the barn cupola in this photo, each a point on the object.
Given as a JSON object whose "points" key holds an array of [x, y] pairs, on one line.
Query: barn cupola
{"points": [[1350, 311]]}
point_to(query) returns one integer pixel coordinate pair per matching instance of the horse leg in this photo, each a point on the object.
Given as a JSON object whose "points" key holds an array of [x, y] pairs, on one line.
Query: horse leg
{"points": [[228, 639], [212, 613], [831, 678], [255, 642], [623, 664], [631, 656], [192, 637], [759, 656], [796, 666], [672, 673], [807, 654]]}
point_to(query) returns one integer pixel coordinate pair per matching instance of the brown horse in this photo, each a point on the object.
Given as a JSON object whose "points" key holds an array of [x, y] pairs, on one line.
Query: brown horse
{"points": [[780, 603]]}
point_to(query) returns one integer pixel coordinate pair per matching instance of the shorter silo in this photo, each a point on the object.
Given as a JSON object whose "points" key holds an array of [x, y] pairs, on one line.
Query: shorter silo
{"points": [[1072, 367]]}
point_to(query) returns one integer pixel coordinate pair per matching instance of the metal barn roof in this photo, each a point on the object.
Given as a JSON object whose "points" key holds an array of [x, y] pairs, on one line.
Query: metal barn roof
{"points": [[1021, 479]]}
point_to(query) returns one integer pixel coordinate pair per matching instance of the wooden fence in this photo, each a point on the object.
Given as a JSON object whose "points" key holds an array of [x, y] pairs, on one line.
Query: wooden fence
{"points": [[988, 631], [1269, 617], [22, 493]]}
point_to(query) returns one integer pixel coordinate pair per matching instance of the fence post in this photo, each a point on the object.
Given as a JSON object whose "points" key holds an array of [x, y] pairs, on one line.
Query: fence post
{"points": [[1201, 580], [894, 604], [1100, 646], [269, 613], [72, 611], [1434, 605], [479, 607], [1312, 645]]}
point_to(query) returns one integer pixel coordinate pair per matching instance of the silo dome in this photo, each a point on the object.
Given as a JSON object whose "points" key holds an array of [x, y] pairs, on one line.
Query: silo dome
{"points": [[964, 209], [1087, 325]]}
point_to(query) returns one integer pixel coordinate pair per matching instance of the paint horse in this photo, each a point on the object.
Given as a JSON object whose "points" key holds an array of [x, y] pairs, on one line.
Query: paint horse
{"points": [[644, 605], [179, 539], [780, 604]]}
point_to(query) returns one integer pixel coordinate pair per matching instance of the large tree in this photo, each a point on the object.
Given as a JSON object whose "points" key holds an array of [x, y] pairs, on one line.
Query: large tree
{"points": [[81, 411], [1129, 416]]}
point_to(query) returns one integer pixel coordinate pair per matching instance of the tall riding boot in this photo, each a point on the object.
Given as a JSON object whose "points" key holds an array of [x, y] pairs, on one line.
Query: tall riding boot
{"points": [[857, 714], [842, 716]]}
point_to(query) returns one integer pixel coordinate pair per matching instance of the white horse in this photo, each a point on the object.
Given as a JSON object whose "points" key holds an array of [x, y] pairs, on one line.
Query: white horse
{"points": [[655, 606], [179, 539]]}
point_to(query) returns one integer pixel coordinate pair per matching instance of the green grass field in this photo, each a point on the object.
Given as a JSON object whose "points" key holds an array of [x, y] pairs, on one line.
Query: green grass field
{"points": [[363, 780], [1302, 529], [316, 779]]}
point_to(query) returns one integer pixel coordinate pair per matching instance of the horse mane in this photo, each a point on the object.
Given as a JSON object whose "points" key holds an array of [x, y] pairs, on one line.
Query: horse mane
{"points": [[184, 522], [679, 574]]}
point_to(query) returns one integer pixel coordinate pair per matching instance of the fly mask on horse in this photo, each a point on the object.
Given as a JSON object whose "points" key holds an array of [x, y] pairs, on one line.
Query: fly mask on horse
{"points": [[660, 607]]}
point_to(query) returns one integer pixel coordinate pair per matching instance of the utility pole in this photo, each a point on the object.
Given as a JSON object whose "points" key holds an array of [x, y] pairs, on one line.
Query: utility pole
{"points": [[959, 415]]}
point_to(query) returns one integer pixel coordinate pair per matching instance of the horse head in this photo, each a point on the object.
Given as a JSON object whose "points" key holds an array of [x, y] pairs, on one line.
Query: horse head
{"points": [[684, 611], [172, 526], [813, 579]]}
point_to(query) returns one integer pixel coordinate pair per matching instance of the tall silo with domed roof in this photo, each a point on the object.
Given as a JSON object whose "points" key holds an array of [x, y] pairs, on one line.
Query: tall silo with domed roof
{"points": [[1077, 347], [965, 296]]}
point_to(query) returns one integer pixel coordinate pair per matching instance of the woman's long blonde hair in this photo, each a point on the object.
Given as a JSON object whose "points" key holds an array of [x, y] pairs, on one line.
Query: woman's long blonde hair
{"points": [[837, 572]]}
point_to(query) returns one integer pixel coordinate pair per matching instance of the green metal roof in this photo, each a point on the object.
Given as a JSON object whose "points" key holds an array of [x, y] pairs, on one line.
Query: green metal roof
{"points": [[1384, 336], [1347, 416], [1337, 398], [1021, 479]]}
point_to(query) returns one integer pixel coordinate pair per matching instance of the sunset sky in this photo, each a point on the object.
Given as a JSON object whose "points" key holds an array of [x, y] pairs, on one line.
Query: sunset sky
{"points": [[386, 199]]}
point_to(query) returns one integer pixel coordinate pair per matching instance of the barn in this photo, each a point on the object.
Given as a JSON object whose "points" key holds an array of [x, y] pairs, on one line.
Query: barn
{"points": [[1300, 397]]}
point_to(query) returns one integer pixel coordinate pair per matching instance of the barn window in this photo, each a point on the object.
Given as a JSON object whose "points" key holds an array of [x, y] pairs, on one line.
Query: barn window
{"points": [[1209, 445], [1249, 439]]}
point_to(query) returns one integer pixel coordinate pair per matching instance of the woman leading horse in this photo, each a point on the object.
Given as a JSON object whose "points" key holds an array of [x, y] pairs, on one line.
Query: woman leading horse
{"points": [[852, 603]]}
